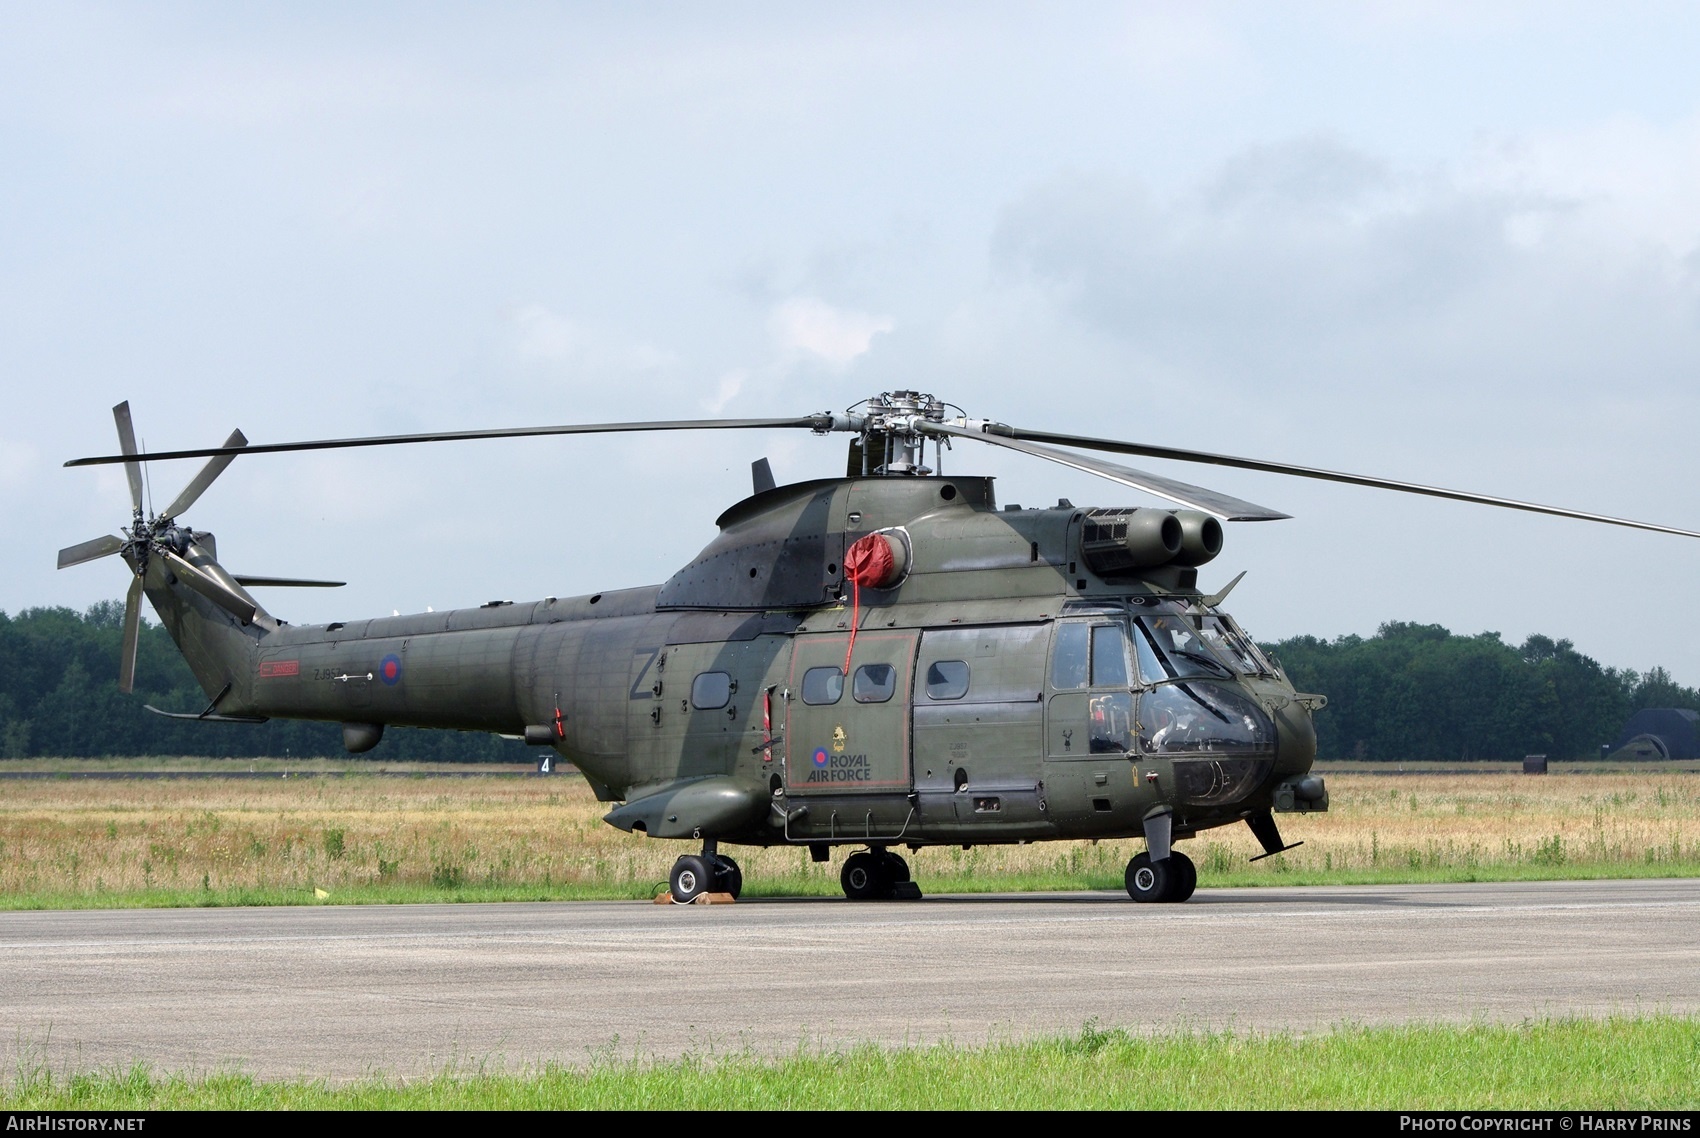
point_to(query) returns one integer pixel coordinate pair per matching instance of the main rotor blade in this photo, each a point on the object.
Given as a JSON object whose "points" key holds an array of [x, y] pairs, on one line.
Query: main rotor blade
{"points": [[214, 467], [248, 582], [208, 587], [89, 551], [808, 422], [132, 635], [1179, 455], [127, 444], [1193, 497]]}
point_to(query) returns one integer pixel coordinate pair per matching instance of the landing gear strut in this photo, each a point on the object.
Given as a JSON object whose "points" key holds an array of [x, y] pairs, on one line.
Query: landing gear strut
{"points": [[877, 875], [1172, 879]]}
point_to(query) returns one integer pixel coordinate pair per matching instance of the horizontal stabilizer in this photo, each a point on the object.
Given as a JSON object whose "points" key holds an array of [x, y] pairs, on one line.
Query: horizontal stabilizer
{"points": [[205, 718]]}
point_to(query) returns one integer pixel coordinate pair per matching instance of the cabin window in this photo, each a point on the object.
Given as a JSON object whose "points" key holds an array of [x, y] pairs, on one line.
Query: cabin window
{"points": [[874, 683], [1109, 656], [822, 685], [711, 690], [947, 679], [1068, 663]]}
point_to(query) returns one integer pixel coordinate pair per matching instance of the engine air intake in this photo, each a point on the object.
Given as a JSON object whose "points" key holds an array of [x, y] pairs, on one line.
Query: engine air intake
{"points": [[1124, 540]]}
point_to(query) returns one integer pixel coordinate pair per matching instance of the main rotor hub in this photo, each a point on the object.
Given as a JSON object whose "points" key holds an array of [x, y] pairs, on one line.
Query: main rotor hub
{"points": [[892, 425], [898, 415], [893, 407]]}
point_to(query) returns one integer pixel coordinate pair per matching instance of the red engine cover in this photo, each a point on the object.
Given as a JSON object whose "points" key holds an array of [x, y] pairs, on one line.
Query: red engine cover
{"points": [[872, 562]]}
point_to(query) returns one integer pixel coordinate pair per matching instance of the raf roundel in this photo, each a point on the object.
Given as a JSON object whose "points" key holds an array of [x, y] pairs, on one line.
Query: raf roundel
{"points": [[389, 669], [820, 756]]}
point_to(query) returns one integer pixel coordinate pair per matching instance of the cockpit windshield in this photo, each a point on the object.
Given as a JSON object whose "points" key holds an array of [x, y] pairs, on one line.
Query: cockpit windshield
{"points": [[1171, 648], [1177, 643], [1233, 645]]}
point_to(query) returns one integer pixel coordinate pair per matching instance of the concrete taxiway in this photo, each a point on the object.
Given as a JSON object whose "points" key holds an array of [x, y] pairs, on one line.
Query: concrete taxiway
{"points": [[349, 990]]}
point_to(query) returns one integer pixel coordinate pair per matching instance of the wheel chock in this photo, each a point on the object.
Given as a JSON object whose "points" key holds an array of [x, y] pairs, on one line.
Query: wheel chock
{"points": [[701, 899]]}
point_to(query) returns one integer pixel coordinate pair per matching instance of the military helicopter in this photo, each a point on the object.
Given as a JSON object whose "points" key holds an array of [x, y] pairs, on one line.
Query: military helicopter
{"points": [[881, 660]]}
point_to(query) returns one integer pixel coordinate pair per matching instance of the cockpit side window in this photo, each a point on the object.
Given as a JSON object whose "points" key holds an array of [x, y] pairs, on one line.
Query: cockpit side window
{"points": [[1069, 660], [1109, 656], [1151, 668]]}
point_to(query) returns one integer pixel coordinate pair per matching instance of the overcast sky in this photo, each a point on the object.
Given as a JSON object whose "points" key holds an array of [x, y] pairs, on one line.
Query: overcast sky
{"points": [[1453, 244]]}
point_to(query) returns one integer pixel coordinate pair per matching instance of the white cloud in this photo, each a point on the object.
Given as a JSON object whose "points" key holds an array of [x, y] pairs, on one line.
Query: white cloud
{"points": [[1625, 180], [1324, 267], [836, 336], [543, 336], [726, 390], [549, 354], [18, 462]]}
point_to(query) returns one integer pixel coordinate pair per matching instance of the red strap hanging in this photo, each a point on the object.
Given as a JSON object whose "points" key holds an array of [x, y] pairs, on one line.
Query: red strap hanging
{"points": [[869, 561]]}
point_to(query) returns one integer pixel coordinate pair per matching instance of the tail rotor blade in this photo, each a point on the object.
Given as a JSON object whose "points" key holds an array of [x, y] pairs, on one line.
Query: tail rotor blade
{"points": [[209, 588], [89, 551], [127, 444], [132, 636], [201, 481]]}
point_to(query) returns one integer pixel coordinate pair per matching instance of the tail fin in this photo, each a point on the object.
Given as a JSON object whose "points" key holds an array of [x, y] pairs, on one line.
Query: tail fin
{"points": [[215, 622]]}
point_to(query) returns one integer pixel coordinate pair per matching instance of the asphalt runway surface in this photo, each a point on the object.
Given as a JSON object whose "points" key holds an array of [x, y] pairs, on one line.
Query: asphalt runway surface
{"points": [[343, 991]]}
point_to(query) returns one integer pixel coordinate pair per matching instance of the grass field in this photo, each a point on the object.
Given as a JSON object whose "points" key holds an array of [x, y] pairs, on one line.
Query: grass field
{"points": [[74, 842], [1641, 1063]]}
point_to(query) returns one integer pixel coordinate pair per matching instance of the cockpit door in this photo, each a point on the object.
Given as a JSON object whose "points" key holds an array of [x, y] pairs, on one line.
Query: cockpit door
{"points": [[1089, 709]]}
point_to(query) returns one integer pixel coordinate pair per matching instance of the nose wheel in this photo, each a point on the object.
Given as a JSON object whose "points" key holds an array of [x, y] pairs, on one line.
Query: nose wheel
{"points": [[696, 874], [1172, 879], [729, 876]]}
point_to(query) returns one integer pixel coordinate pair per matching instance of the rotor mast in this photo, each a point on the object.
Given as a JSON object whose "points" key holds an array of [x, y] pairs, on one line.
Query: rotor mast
{"points": [[893, 429]]}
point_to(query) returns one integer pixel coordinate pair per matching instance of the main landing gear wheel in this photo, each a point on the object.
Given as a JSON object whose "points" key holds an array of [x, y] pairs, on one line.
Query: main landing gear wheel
{"points": [[877, 875], [692, 877], [896, 868], [866, 876], [1147, 880], [1172, 879], [1183, 877], [730, 879]]}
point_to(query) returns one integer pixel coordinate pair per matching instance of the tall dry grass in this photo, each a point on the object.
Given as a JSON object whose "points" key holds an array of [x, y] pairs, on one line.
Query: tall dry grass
{"points": [[68, 839], [1481, 822]]}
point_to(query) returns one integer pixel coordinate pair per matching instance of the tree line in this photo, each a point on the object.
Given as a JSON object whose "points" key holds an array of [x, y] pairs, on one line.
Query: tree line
{"points": [[1417, 691], [1411, 691]]}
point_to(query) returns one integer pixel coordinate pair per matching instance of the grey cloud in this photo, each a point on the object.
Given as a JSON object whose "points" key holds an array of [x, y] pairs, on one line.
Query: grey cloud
{"points": [[1283, 247]]}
